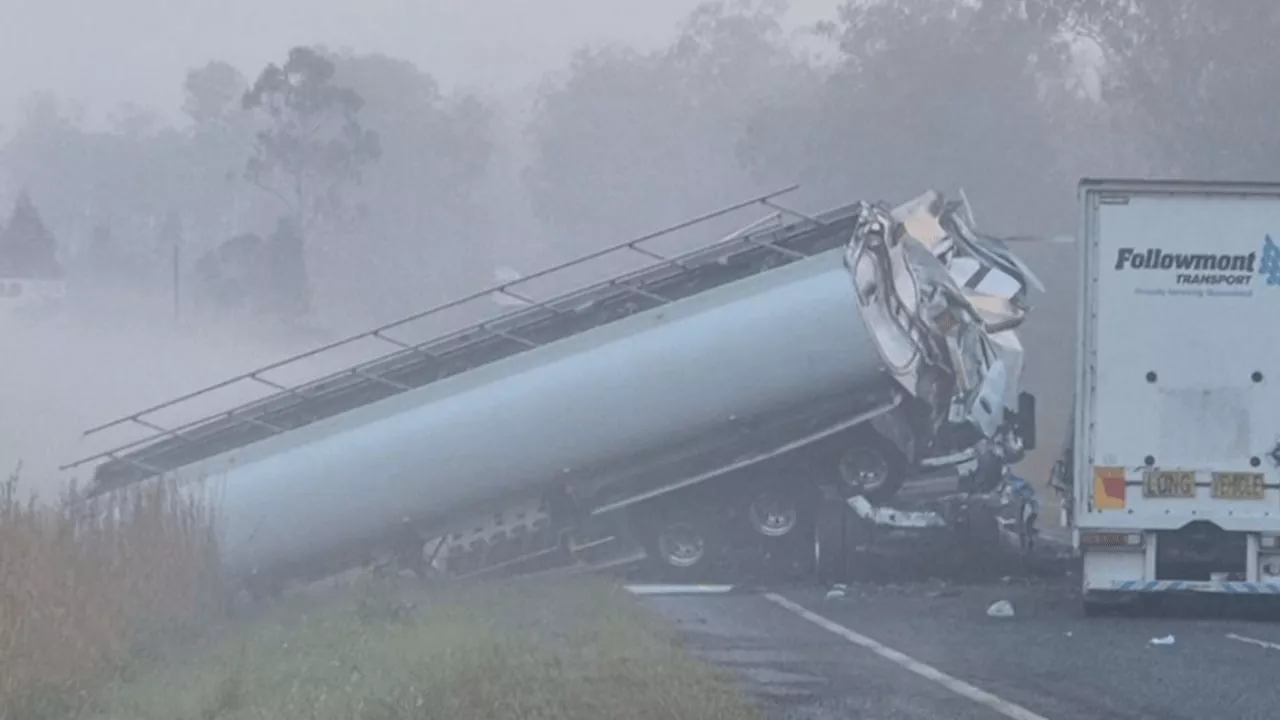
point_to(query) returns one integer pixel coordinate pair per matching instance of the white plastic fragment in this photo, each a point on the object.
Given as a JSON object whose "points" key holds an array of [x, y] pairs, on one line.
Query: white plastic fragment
{"points": [[1166, 640], [1000, 609]]}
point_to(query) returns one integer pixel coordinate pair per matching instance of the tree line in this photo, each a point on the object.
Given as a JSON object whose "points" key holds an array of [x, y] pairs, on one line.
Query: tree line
{"points": [[353, 179]]}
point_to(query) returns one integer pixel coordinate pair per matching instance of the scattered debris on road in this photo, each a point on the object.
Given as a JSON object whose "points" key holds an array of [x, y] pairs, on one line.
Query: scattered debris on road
{"points": [[1000, 609]]}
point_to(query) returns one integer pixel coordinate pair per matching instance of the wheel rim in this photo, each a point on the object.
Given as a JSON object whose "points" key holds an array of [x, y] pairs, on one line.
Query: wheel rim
{"points": [[863, 469], [772, 516], [681, 545]]}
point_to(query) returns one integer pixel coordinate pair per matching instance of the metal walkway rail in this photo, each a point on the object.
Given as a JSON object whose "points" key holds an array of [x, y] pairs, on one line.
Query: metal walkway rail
{"points": [[762, 245]]}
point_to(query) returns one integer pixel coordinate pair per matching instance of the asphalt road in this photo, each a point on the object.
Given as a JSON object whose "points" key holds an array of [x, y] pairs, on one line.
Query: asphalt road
{"points": [[928, 651]]}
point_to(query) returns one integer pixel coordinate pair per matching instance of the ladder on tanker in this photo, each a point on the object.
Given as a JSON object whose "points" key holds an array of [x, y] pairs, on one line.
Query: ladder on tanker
{"points": [[405, 366]]}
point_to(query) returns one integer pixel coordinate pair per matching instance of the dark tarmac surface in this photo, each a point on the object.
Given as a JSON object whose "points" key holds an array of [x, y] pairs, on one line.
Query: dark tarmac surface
{"points": [[928, 650]]}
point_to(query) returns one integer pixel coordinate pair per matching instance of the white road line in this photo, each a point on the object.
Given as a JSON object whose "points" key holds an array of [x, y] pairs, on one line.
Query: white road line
{"points": [[678, 589], [959, 687], [1254, 641]]}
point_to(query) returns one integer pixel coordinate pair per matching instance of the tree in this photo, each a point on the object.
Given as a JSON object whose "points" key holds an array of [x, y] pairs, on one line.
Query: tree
{"points": [[626, 142], [212, 94], [427, 236], [288, 293], [130, 173], [1197, 79], [133, 121], [217, 201], [47, 156], [315, 146], [263, 277], [233, 275], [931, 93], [27, 248]]}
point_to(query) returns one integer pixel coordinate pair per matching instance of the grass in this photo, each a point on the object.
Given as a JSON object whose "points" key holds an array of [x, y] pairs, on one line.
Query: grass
{"points": [[122, 620], [567, 651], [77, 596]]}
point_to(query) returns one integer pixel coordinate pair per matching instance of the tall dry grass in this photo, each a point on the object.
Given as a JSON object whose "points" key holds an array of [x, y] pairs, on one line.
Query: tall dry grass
{"points": [[79, 583]]}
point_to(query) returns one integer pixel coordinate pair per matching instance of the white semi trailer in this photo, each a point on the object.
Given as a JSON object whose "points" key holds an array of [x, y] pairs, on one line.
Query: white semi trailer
{"points": [[1171, 472], [732, 393]]}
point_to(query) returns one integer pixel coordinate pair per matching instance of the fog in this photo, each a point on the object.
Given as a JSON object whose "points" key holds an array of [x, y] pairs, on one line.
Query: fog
{"points": [[105, 54], [514, 135], [76, 374]]}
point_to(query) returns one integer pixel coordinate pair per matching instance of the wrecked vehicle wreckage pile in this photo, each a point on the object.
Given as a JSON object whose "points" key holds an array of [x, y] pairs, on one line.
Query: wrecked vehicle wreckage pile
{"points": [[780, 397]]}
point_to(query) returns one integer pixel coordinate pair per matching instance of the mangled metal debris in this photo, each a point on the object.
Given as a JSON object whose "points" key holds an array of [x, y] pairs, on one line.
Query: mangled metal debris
{"points": [[941, 302], [1000, 609]]}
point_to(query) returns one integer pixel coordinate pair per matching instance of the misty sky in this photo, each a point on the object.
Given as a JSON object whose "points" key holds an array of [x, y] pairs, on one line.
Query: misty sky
{"points": [[102, 53]]}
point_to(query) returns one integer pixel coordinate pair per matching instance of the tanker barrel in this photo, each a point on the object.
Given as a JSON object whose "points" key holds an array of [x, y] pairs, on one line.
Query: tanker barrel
{"points": [[412, 365]]}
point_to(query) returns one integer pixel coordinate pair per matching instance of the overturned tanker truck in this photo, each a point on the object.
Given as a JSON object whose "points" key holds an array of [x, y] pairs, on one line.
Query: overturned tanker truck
{"points": [[744, 400]]}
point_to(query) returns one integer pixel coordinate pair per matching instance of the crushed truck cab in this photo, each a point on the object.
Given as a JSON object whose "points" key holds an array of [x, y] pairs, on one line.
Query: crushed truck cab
{"points": [[1172, 472]]}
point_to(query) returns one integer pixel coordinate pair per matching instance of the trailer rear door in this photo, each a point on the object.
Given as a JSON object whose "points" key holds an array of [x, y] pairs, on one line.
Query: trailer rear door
{"points": [[1179, 359]]}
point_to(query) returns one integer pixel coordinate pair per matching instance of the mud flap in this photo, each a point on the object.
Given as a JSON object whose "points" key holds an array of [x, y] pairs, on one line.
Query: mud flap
{"points": [[830, 557], [837, 535]]}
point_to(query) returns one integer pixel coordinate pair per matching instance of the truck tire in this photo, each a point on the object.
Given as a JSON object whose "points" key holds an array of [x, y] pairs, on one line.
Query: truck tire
{"points": [[681, 542], [773, 532], [871, 467], [774, 513]]}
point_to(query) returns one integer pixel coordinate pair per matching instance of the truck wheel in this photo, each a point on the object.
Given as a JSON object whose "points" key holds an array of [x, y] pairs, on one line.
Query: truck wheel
{"points": [[681, 545], [680, 542], [773, 514], [778, 516], [872, 469]]}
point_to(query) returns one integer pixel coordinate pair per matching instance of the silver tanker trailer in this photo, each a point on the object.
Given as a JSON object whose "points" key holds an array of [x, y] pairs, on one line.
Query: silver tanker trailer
{"points": [[724, 398]]}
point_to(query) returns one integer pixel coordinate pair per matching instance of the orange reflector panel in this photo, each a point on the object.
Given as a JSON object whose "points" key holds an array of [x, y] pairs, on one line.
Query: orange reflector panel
{"points": [[1108, 488]]}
